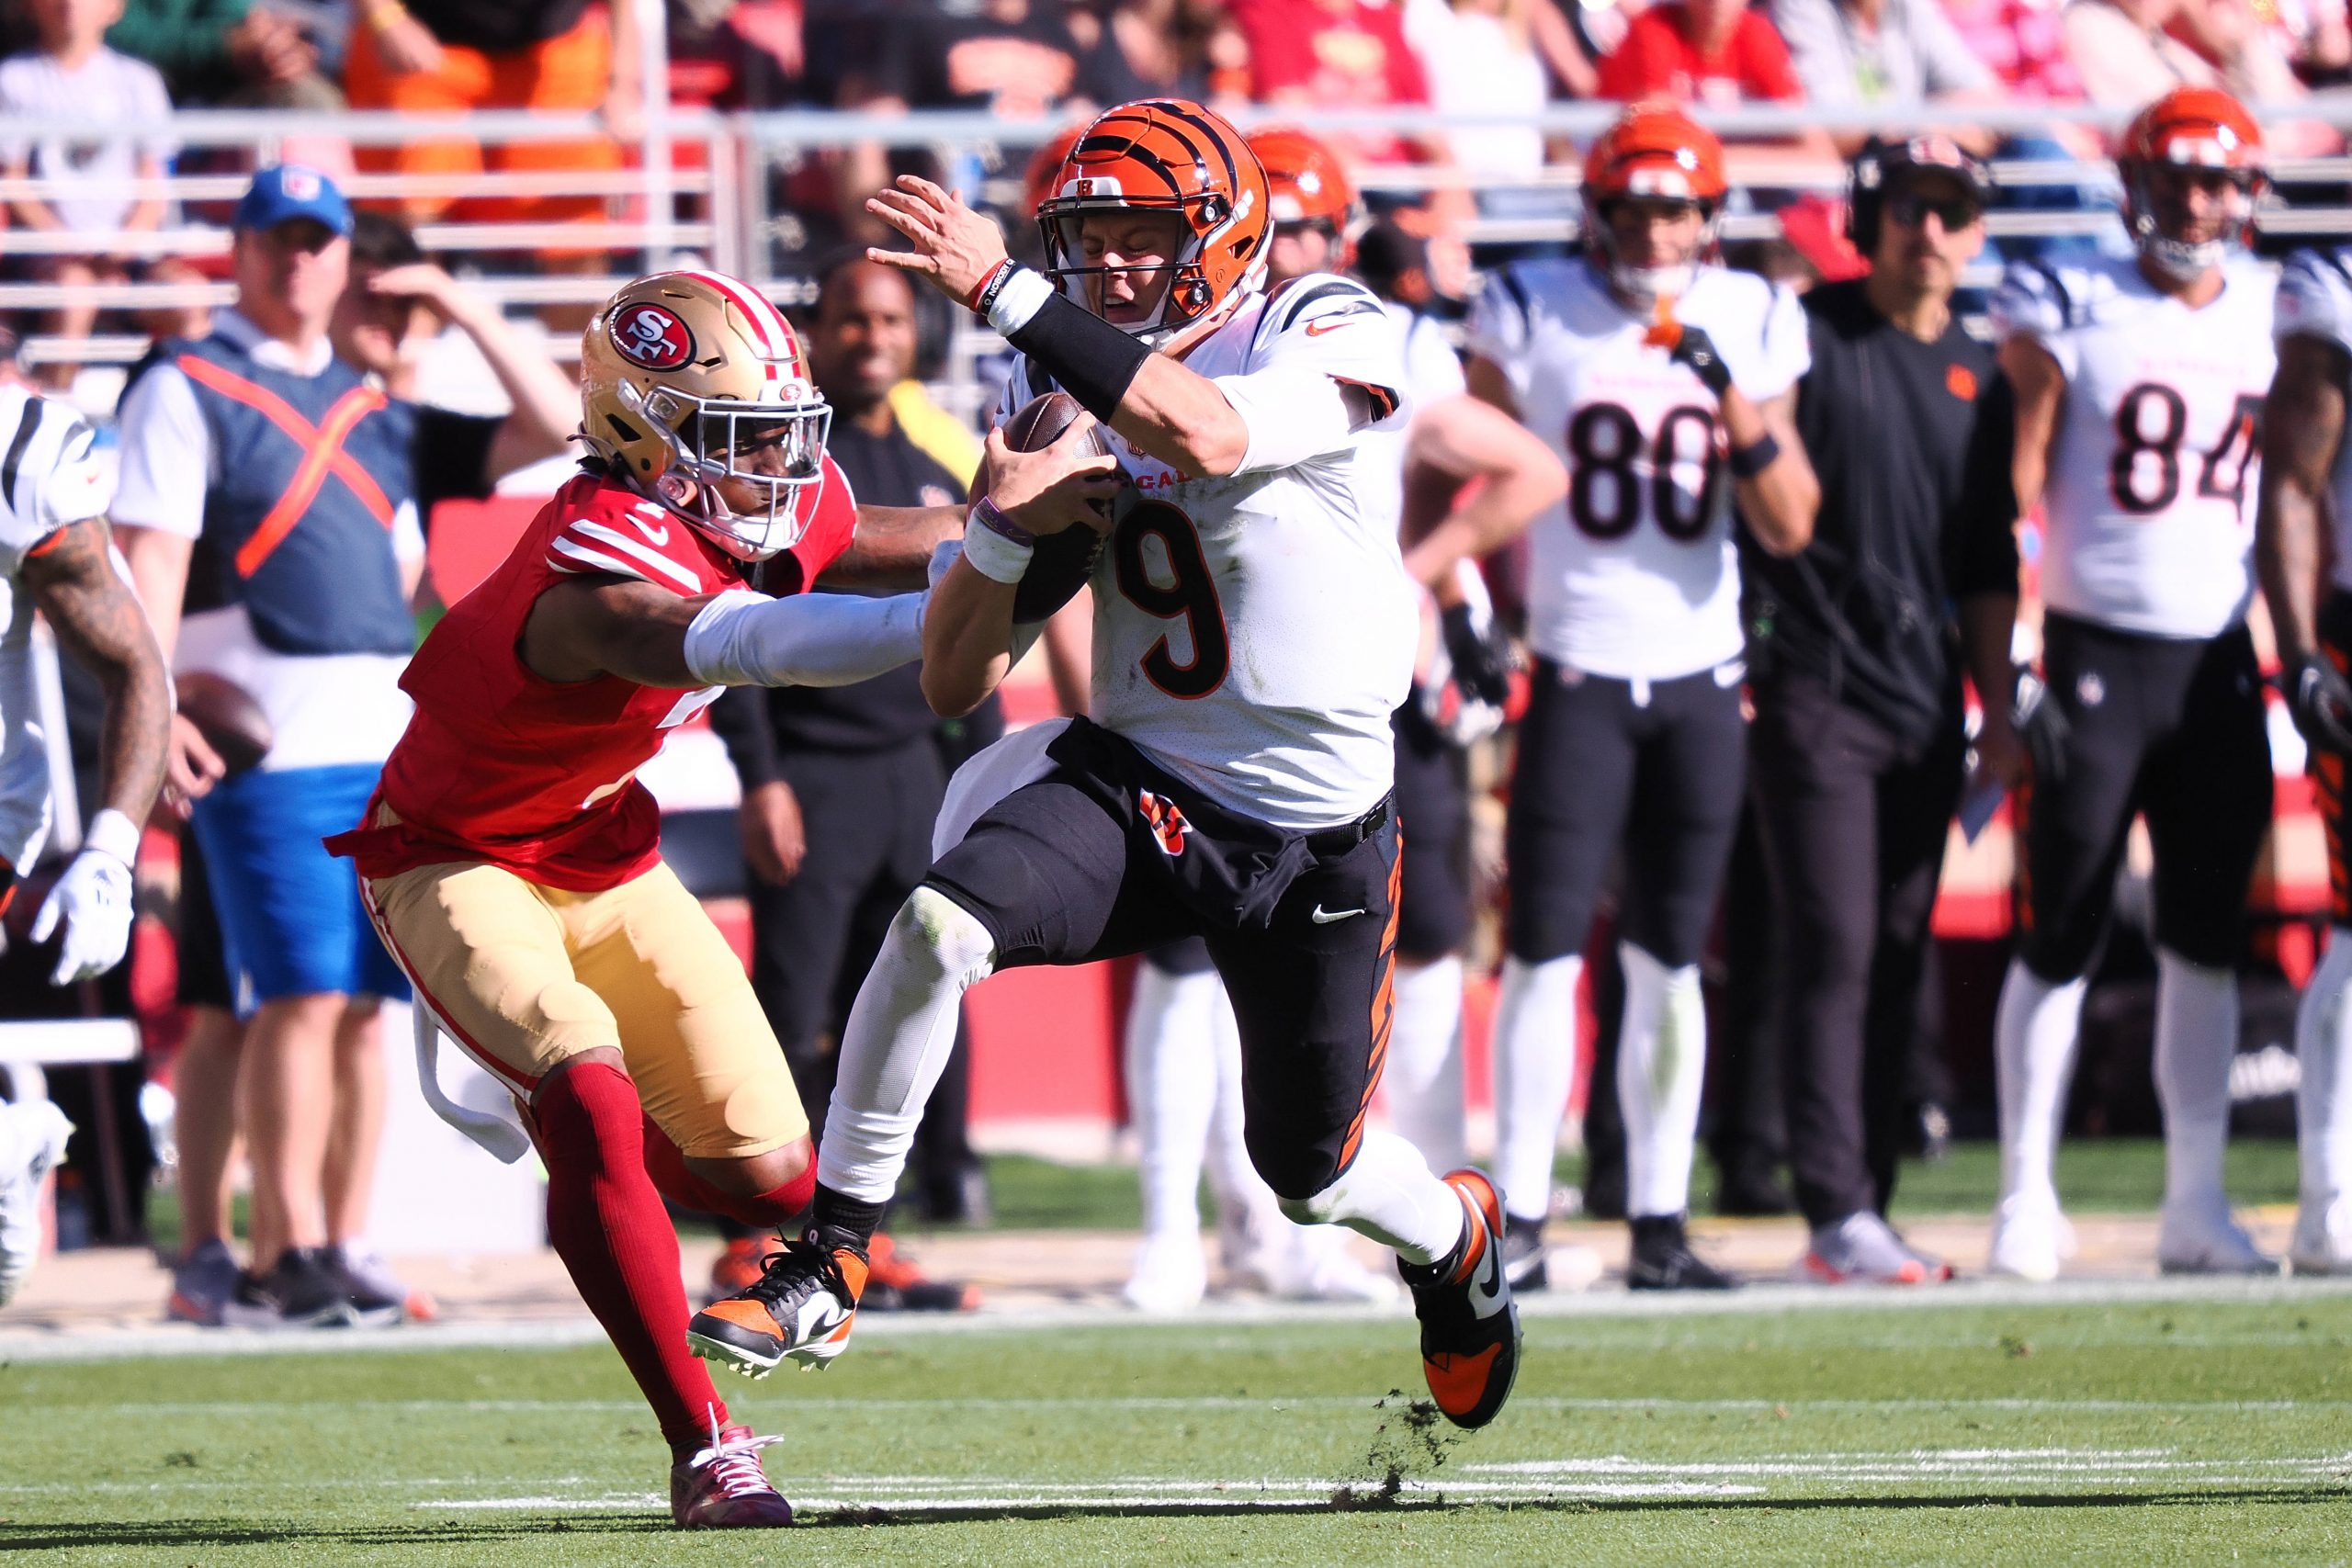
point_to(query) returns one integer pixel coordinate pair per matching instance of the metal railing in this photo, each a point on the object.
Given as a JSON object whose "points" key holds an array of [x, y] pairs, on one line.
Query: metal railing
{"points": [[708, 185]]}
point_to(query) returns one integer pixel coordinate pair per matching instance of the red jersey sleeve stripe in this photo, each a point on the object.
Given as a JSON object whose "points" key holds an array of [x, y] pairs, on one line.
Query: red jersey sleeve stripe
{"points": [[570, 554], [596, 536]]}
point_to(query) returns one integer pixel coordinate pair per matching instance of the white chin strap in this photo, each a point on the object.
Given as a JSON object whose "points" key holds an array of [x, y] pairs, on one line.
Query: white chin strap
{"points": [[2183, 261], [1646, 285]]}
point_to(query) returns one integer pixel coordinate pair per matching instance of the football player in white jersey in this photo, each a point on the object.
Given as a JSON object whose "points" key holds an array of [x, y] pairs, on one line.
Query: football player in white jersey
{"points": [[1666, 382], [56, 557], [1254, 629], [2140, 388], [2306, 575]]}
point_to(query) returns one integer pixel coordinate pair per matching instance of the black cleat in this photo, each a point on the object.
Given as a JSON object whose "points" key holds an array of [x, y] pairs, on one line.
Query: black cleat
{"points": [[300, 1291], [1469, 1323], [1663, 1260], [1523, 1255]]}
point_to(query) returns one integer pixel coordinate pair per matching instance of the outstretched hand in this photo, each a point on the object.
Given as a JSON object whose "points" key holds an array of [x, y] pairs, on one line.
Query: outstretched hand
{"points": [[954, 247]]}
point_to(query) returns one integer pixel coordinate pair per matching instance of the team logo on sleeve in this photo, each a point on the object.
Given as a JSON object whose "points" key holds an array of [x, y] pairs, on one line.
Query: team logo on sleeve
{"points": [[652, 337]]}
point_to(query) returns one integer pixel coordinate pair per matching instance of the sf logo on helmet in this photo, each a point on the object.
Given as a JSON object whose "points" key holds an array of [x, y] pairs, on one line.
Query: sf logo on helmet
{"points": [[652, 337]]}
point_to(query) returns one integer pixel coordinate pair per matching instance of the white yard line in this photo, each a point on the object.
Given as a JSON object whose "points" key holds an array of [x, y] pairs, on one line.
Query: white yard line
{"points": [[21, 1346]]}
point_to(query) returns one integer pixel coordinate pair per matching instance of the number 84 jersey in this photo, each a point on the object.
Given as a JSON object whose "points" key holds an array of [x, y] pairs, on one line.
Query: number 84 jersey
{"points": [[1634, 575], [2149, 503]]}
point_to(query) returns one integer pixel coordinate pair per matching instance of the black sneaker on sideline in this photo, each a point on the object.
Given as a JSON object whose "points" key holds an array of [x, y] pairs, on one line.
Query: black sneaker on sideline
{"points": [[299, 1291], [1663, 1260], [1523, 1255]]}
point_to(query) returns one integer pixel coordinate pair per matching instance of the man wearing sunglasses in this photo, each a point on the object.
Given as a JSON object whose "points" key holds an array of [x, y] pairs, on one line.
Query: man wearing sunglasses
{"points": [[1857, 746]]}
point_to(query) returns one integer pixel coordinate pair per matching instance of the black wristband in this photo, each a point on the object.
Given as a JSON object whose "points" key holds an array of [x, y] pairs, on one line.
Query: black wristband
{"points": [[1746, 462], [1086, 355]]}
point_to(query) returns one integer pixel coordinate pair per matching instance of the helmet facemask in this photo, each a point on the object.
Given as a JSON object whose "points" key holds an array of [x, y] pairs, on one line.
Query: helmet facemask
{"points": [[777, 450], [1189, 301], [2184, 260], [1643, 286]]}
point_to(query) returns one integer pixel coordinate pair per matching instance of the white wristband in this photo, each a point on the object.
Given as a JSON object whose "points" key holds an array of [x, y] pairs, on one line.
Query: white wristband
{"points": [[110, 832], [1022, 296], [993, 556]]}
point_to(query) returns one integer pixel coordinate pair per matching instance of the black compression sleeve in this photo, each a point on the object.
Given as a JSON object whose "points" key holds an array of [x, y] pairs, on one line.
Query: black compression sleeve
{"points": [[1087, 357]]}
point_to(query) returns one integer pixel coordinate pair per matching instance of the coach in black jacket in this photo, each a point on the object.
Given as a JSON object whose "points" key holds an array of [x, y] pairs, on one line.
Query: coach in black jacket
{"points": [[1857, 649]]}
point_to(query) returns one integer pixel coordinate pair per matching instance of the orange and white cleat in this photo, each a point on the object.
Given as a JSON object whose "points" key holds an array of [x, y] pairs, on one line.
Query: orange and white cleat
{"points": [[1469, 1323], [722, 1487], [800, 1309]]}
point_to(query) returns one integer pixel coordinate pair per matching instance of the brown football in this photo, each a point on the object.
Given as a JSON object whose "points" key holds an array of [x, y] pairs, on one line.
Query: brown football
{"points": [[1062, 561], [228, 718]]}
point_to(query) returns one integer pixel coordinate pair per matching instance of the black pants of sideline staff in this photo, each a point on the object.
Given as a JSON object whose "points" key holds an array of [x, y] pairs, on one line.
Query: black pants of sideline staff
{"points": [[869, 818], [1854, 823]]}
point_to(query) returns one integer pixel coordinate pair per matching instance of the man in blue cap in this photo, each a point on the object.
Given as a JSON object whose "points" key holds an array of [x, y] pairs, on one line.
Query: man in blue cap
{"points": [[267, 510]]}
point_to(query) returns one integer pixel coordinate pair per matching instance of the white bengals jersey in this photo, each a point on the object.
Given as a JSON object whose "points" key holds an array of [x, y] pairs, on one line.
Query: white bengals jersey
{"points": [[49, 480], [1254, 633], [2150, 499], [2315, 300], [1634, 575]]}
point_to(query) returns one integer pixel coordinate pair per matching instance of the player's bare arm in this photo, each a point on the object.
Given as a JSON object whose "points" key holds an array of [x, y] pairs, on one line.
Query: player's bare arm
{"points": [[1044, 492], [1468, 438], [2041, 389], [2300, 440], [893, 546], [1160, 407], [968, 630], [1778, 500], [159, 563], [97, 616]]}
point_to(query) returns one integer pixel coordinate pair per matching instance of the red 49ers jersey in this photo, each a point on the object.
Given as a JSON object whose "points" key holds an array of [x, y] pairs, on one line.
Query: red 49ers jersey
{"points": [[540, 776]]}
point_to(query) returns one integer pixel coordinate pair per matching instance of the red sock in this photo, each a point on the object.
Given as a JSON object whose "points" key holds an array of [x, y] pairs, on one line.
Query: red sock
{"points": [[769, 1211], [608, 1224]]}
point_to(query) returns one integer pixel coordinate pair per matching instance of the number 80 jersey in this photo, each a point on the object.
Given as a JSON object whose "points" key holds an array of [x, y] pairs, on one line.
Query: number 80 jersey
{"points": [[1634, 575], [2149, 503]]}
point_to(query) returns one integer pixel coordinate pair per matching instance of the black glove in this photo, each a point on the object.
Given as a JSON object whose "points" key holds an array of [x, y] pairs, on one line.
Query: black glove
{"points": [[2042, 725], [1481, 663], [2320, 700], [1693, 347]]}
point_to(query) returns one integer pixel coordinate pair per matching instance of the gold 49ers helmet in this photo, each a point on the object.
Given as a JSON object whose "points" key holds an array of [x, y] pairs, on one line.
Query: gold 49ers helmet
{"points": [[696, 377]]}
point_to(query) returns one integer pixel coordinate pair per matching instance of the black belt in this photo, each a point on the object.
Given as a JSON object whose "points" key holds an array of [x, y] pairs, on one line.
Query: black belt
{"points": [[1338, 841]]}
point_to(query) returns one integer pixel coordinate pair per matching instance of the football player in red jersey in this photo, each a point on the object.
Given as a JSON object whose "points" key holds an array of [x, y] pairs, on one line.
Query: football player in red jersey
{"points": [[512, 864]]}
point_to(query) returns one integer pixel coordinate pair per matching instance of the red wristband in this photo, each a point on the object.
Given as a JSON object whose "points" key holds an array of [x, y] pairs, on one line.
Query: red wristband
{"points": [[978, 302]]}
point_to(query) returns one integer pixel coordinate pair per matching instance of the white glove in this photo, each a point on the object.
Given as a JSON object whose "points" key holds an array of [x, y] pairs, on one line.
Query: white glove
{"points": [[94, 899]]}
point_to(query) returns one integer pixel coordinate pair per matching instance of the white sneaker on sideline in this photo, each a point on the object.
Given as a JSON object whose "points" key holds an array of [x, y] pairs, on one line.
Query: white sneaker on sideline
{"points": [[2206, 1240], [2031, 1237], [32, 1140], [2323, 1239], [1171, 1274]]}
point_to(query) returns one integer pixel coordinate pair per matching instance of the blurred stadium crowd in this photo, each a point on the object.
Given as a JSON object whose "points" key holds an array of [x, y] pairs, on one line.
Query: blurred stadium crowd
{"points": [[473, 262]]}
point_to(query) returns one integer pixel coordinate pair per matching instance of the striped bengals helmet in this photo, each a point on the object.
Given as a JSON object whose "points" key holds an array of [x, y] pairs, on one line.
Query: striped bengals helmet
{"points": [[2199, 128], [1165, 156], [696, 377], [1041, 179], [1652, 153]]}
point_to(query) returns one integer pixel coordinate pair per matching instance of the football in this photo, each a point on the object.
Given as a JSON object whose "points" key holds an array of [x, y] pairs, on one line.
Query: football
{"points": [[1063, 561], [228, 718]]}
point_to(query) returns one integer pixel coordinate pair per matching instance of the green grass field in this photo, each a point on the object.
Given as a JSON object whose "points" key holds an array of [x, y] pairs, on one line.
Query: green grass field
{"points": [[2184, 1430]]}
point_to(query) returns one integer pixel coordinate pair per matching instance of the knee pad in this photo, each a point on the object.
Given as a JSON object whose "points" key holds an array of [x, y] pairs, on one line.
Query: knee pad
{"points": [[930, 922]]}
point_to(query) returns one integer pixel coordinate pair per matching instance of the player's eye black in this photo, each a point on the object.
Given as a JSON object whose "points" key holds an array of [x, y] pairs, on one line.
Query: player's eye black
{"points": [[1911, 209]]}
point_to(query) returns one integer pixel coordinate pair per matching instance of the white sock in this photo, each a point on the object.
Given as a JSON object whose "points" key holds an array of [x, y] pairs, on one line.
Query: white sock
{"points": [[1389, 1195], [1661, 1067], [1535, 1055], [1422, 1082], [901, 1029], [2033, 1060], [1171, 1063], [2197, 1038], [2324, 1051]]}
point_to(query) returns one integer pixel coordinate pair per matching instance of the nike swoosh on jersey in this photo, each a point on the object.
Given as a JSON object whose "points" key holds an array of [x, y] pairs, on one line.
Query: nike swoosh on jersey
{"points": [[658, 537], [1317, 329], [1323, 916]]}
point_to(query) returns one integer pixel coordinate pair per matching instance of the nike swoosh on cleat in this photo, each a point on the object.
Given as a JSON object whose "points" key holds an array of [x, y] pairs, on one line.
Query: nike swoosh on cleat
{"points": [[1323, 916], [1485, 1284]]}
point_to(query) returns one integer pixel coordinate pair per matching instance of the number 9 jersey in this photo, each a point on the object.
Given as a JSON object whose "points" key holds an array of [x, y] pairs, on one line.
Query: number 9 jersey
{"points": [[1634, 575], [2149, 503], [1254, 631]]}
